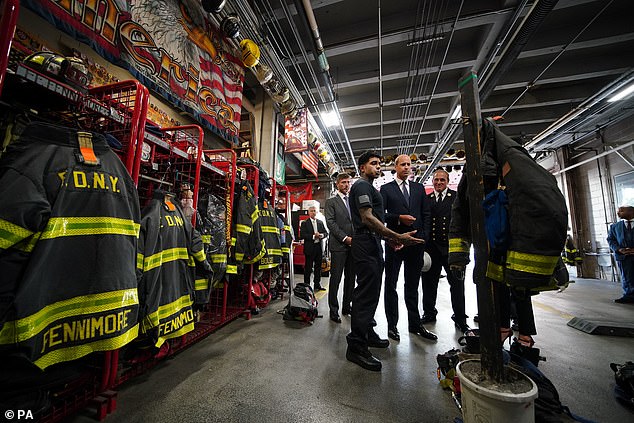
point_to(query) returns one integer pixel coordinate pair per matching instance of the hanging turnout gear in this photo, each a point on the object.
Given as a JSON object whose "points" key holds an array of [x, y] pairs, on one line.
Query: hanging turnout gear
{"points": [[537, 215], [211, 222], [271, 236], [571, 255], [169, 249], [69, 222], [247, 243]]}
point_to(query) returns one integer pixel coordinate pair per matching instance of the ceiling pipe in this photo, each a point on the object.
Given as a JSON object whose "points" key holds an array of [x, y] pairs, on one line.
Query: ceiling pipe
{"points": [[322, 61], [518, 40], [566, 122], [521, 36]]}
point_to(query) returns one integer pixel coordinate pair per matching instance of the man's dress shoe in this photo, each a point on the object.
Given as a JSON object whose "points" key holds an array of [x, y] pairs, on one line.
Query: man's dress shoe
{"points": [[392, 333], [462, 327], [624, 300], [375, 342], [335, 319], [428, 319], [364, 359], [420, 330]]}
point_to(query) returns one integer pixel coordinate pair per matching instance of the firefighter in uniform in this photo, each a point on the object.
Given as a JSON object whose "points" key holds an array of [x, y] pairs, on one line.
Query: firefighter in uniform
{"points": [[366, 208], [441, 200]]}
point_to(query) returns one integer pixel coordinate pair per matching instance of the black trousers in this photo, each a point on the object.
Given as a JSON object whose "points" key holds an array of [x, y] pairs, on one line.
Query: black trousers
{"points": [[521, 298], [430, 287], [411, 257], [342, 264], [313, 265], [367, 254]]}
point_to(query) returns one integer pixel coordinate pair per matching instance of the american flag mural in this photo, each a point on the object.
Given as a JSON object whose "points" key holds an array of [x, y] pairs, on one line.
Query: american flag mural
{"points": [[170, 46]]}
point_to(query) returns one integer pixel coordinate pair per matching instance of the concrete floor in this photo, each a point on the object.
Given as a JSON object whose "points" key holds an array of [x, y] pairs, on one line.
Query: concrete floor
{"points": [[268, 370]]}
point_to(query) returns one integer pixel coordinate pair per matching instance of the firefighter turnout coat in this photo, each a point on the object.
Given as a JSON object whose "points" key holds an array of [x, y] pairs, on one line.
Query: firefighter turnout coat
{"points": [[537, 214], [168, 251], [69, 221]]}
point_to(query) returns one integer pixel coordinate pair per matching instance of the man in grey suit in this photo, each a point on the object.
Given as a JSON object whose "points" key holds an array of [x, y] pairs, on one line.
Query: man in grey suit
{"points": [[339, 224]]}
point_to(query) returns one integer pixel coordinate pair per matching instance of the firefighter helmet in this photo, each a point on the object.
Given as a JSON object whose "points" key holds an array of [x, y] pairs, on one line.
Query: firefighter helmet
{"points": [[70, 70]]}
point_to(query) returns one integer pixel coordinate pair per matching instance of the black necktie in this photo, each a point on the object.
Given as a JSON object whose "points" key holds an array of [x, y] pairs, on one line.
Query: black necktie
{"points": [[405, 193], [438, 198]]}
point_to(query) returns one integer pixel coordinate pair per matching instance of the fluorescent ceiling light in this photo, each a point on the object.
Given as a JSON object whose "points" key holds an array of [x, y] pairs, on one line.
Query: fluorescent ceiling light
{"points": [[456, 113], [622, 94], [330, 118]]}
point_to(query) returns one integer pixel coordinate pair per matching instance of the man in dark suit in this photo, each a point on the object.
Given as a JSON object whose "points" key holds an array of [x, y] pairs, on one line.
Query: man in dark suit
{"points": [[621, 242], [339, 223], [441, 200], [406, 209], [312, 232]]}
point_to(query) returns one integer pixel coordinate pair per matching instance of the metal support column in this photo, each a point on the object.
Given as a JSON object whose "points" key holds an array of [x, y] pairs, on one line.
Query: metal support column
{"points": [[488, 290]]}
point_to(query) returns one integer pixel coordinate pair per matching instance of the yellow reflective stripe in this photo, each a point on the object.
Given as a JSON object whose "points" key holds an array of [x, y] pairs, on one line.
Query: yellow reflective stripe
{"points": [[166, 310], [206, 239], [240, 256], [255, 215], [11, 234], [495, 271], [274, 251], [73, 353], [531, 263], [165, 256], [22, 329], [139, 261], [286, 250], [28, 244], [458, 245], [287, 228], [191, 262], [219, 284], [96, 225], [218, 258], [199, 255], [271, 229], [182, 331], [244, 229], [259, 256], [233, 241], [201, 284], [232, 269], [268, 266]]}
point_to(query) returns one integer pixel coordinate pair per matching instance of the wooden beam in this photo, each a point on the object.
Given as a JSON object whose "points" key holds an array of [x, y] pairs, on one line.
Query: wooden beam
{"points": [[487, 289]]}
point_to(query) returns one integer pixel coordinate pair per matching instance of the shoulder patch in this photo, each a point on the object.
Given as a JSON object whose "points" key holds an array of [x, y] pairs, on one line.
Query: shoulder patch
{"points": [[364, 200]]}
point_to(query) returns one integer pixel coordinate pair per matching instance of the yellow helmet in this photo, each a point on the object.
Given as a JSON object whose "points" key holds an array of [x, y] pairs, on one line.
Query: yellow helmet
{"points": [[250, 53]]}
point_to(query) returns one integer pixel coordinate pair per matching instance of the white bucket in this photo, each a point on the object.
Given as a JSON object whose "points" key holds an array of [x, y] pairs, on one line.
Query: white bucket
{"points": [[483, 405]]}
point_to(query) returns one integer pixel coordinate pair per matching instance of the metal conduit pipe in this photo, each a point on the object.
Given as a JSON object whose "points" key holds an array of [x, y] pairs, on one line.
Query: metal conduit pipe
{"points": [[527, 28], [324, 66], [533, 19]]}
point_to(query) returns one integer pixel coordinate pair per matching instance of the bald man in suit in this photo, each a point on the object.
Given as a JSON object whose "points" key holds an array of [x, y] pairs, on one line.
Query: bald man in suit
{"points": [[406, 209]]}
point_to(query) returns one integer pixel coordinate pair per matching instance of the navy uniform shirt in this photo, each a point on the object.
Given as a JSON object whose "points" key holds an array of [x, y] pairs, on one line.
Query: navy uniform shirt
{"points": [[363, 194]]}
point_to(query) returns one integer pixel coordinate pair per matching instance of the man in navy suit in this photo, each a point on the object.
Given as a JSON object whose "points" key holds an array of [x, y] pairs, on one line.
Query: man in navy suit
{"points": [[312, 231], [406, 209], [621, 241]]}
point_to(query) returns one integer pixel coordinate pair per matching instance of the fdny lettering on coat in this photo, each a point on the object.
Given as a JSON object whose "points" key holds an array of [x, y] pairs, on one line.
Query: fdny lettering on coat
{"points": [[90, 180], [85, 329], [173, 220]]}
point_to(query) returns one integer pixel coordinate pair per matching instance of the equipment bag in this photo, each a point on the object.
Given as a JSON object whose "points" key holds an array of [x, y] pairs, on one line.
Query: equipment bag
{"points": [[302, 304], [624, 377]]}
